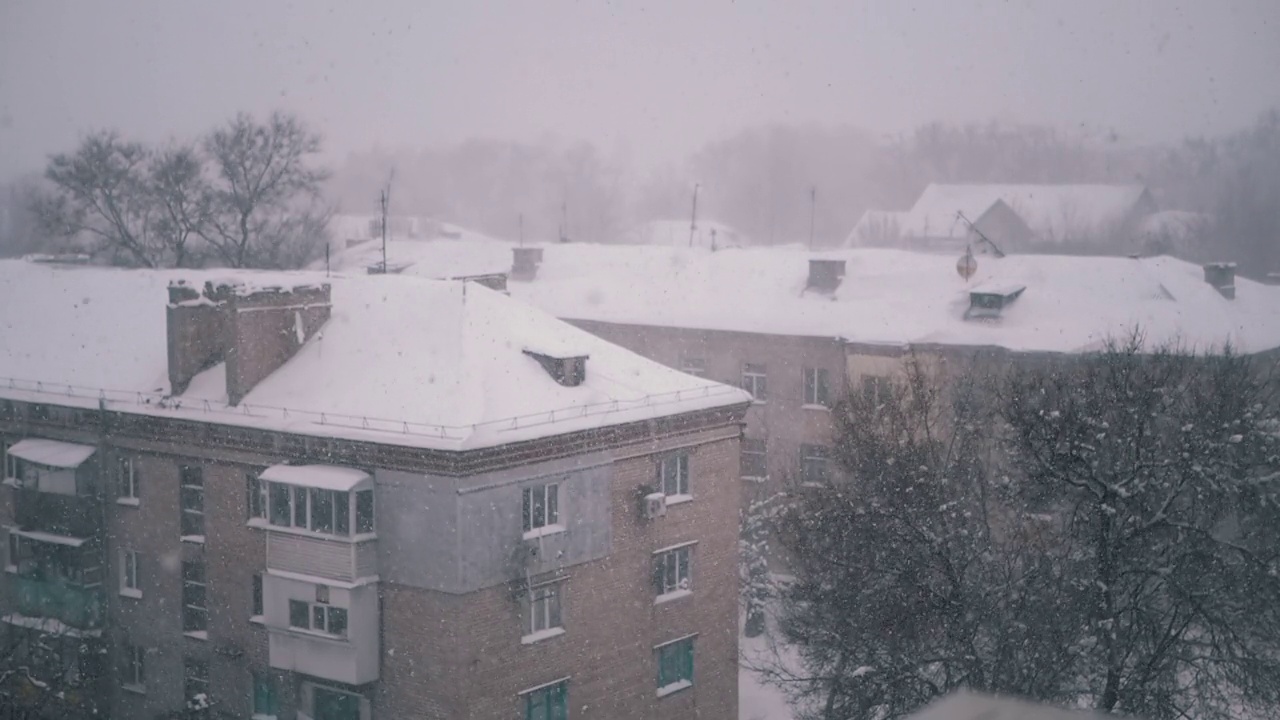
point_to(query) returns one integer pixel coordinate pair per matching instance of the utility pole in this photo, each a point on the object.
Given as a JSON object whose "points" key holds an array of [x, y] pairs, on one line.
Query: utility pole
{"points": [[385, 201], [564, 220], [813, 208], [693, 220], [521, 229]]}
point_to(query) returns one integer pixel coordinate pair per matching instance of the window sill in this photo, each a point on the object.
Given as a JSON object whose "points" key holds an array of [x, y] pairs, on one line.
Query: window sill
{"points": [[195, 539], [11, 569], [674, 687], [543, 531], [260, 716], [258, 619], [815, 406], [135, 689], [541, 635], [678, 499], [815, 485], [759, 402], [128, 501], [131, 593], [673, 595], [317, 635], [197, 635], [10, 482], [263, 524], [754, 479]]}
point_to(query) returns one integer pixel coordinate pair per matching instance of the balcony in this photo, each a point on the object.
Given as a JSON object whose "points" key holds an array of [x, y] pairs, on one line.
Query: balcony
{"points": [[309, 642], [38, 601], [339, 559], [75, 515]]}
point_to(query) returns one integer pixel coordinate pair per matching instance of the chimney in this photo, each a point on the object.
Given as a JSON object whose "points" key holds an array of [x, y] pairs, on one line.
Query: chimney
{"points": [[1222, 276], [196, 328], [265, 327], [525, 262], [825, 275]]}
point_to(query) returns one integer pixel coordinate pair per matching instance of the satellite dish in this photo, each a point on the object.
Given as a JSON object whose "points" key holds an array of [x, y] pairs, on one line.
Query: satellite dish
{"points": [[967, 265]]}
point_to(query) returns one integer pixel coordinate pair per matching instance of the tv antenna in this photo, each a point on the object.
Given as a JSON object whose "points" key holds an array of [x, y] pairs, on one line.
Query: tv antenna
{"points": [[995, 248], [693, 219], [384, 200]]}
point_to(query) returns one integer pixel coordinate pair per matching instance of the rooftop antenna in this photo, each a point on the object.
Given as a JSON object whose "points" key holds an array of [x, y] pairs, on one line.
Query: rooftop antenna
{"points": [[564, 220], [385, 201], [693, 220], [995, 248], [813, 207], [326, 259], [521, 229]]}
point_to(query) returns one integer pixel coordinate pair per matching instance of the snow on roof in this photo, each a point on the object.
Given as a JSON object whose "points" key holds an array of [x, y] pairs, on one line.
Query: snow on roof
{"points": [[675, 233], [966, 705], [324, 477], [876, 227], [1053, 212], [1174, 223], [52, 453], [1072, 303], [401, 360]]}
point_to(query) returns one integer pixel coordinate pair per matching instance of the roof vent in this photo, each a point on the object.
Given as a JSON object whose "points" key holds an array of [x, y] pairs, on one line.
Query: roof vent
{"points": [[988, 301], [525, 262], [568, 370], [1222, 276], [825, 275]]}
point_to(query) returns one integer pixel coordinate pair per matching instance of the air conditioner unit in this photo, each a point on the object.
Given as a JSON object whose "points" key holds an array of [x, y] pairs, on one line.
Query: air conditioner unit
{"points": [[655, 505]]}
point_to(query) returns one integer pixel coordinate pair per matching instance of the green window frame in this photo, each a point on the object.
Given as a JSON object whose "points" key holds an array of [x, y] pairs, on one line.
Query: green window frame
{"points": [[266, 700], [549, 702], [675, 665]]}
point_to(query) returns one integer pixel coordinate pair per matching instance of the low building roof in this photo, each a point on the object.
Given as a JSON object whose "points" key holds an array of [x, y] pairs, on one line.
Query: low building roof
{"points": [[1053, 212], [896, 297], [324, 477], [402, 360]]}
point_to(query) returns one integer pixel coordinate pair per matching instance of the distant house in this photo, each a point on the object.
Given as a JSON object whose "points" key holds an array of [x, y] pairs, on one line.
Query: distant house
{"points": [[1015, 218]]}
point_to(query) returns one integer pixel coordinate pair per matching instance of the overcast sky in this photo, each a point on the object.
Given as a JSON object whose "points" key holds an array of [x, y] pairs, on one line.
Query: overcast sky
{"points": [[652, 79]]}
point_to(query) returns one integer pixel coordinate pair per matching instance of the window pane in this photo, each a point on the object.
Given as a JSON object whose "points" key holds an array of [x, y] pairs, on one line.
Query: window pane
{"points": [[322, 511], [338, 621], [318, 618], [341, 514], [364, 511], [257, 594], [300, 507], [281, 505], [553, 504], [333, 705], [526, 509], [539, 509], [299, 614]]}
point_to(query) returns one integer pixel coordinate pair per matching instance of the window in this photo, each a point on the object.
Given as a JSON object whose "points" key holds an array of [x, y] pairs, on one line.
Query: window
{"points": [[281, 496], [319, 616], [127, 487], [675, 666], [195, 610], [754, 466], [129, 574], [330, 512], [541, 507], [753, 381], [321, 511], [549, 702], [542, 610], [10, 462], [192, 492], [329, 704], [671, 571], [13, 553], [694, 366], [364, 511], [673, 474], [257, 595], [133, 674], [813, 465], [266, 701], [256, 495], [195, 676], [876, 389], [815, 387]]}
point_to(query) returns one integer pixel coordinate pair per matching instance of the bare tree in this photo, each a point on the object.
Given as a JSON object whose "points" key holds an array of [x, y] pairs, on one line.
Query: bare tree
{"points": [[183, 201], [100, 191], [266, 208]]}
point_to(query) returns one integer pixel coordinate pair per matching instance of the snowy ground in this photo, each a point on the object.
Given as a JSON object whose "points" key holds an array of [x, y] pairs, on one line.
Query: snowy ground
{"points": [[757, 700]]}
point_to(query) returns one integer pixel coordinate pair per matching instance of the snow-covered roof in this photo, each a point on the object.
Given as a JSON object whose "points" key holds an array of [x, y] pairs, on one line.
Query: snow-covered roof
{"points": [[1071, 303], [1173, 223], [675, 233], [876, 227], [401, 360], [52, 453], [1053, 212], [325, 477]]}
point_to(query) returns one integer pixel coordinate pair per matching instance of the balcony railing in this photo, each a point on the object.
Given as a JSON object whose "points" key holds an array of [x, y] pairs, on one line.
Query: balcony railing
{"points": [[76, 606]]}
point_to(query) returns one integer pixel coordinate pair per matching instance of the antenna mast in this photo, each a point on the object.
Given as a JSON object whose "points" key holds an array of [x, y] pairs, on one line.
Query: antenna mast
{"points": [[813, 208], [385, 201], [996, 248], [693, 219]]}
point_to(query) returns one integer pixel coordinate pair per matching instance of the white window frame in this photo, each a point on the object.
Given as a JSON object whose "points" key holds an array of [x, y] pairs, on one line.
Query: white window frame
{"points": [[674, 468], [817, 388], [193, 512], [10, 462], [668, 564], [806, 458], [550, 522], [129, 586], [309, 495], [12, 553], [763, 452], [134, 676], [127, 482], [326, 611], [197, 633], [543, 612], [755, 380]]}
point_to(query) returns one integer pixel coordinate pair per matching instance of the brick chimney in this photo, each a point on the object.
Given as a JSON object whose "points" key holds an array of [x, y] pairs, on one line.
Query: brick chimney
{"points": [[253, 330], [195, 322], [525, 262], [265, 327], [1222, 276], [825, 275]]}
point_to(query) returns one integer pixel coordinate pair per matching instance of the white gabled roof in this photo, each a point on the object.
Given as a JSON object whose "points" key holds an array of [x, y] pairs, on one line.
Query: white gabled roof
{"points": [[1053, 212], [324, 477], [52, 453]]}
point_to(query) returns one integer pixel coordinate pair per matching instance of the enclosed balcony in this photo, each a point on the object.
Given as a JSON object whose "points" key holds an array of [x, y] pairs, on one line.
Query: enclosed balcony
{"points": [[320, 521], [56, 583]]}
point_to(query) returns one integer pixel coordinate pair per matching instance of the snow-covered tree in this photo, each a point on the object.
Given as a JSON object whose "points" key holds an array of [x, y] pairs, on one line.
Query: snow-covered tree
{"points": [[753, 558]]}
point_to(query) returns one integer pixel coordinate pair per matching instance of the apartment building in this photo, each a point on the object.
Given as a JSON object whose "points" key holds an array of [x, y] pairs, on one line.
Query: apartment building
{"points": [[283, 495], [799, 329]]}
